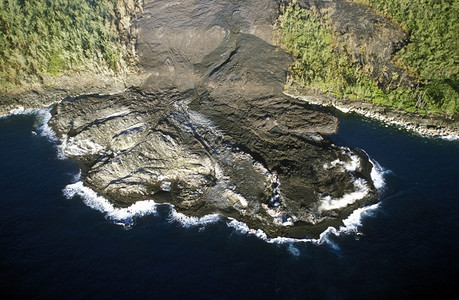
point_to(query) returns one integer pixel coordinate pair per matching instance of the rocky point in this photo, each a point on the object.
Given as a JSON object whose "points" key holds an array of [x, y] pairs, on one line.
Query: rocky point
{"points": [[210, 130]]}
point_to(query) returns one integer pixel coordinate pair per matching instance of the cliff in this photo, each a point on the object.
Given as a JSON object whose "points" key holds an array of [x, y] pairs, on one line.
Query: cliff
{"points": [[206, 125], [210, 130], [376, 66], [54, 49]]}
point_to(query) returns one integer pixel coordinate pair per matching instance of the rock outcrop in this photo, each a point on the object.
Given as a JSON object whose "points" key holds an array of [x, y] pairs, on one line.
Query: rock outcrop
{"points": [[373, 42], [95, 77], [366, 38], [210, 130]]}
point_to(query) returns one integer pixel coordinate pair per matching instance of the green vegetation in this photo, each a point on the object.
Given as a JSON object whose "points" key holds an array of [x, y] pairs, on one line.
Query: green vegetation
{"points": [[431, 57], [47, 37]]}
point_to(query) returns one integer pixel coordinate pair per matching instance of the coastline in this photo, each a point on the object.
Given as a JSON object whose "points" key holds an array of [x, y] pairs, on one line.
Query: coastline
{"points": [[69, 85], [426, 126], [45, 96], [159, 130]]}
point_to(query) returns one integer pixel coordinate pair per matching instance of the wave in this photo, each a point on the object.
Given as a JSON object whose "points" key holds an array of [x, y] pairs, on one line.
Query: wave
{"points": [[42, 117], [119, 216], [360, 191], [361, 188], [449, 137], [126, 216], [377, 174], [351, 226], [19, 111], [189, 221]]}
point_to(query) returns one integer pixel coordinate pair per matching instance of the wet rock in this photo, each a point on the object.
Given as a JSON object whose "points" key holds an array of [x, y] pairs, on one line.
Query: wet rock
{"points": [[210, 130], [431, 126]]}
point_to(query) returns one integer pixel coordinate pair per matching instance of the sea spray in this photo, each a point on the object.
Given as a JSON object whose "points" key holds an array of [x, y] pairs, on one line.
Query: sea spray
{"points": [[120, 216], [189, 221], [40, 126], [125, 216], [351, 224]]}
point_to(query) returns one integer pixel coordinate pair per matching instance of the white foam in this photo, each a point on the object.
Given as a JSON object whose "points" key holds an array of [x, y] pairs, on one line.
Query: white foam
{"points": [[377, 175], [141, 208], [361, 190], [350, 166], [17, 111], [450, 137], [41, 122], [243, 228], [22, 111], [353, 164], [351, 226], [78, 147], [43, 128], [188, 221], [96, 202]]}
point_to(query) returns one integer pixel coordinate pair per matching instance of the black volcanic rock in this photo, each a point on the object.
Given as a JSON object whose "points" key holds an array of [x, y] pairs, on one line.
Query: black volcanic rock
{"points": [[210, 130], [367, 38]]}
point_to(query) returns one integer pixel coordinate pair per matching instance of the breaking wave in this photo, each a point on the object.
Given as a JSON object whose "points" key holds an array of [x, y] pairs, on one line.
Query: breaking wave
{"points": [[360, 191], [450, 137], [351, 226], [188, 221], [40, 127], [377, 175], [119, 216], [126, 216]]}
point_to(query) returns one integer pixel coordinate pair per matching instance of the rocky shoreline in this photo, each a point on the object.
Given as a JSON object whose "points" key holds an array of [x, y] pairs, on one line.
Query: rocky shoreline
{"points": [[428, 126], [206, 126], [68, 86]]}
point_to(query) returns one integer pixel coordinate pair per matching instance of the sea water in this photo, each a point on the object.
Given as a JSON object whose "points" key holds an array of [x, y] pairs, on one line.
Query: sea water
{"points": [[57, 243]]}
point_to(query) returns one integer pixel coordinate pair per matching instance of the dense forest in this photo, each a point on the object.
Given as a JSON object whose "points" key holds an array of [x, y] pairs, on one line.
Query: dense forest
{"points": [[47, 37], [431, 56]]}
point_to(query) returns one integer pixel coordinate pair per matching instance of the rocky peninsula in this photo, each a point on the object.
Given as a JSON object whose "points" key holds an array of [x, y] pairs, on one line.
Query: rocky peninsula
{"points": [[205, 125]]}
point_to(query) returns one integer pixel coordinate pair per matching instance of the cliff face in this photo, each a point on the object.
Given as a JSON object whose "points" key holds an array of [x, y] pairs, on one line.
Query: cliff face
{"points": [[88, 75], [210, 129], [364, 36], [367, 38], [371, 42]]}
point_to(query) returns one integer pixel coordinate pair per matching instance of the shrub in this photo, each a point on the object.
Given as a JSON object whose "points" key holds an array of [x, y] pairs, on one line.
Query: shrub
{"points": [[41, 37], [320, 66]]}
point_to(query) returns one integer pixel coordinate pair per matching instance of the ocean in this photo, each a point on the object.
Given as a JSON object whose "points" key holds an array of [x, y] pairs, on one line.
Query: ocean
{"points": [[60, 241]]}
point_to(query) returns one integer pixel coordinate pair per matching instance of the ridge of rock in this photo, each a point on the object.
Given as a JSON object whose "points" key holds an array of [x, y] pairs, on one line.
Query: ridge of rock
{"points": [[210, 130]]}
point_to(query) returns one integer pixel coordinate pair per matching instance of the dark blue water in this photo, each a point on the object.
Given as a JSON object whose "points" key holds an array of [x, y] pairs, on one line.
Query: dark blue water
{"points": [[57, 248]]}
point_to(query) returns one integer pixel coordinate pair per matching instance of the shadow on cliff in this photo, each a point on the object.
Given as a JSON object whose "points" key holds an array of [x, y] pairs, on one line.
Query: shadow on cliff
{"points": [[212, 128]]}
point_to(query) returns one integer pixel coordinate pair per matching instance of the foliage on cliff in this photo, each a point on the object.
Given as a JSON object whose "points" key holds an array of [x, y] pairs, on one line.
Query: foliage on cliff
{"points": [[39, 37], [432, 54], [431, 59]]}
